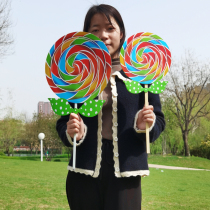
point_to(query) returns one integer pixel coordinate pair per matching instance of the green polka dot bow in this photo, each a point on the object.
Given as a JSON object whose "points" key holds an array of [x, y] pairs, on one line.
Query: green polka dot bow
{"points": [[135, 87], [89, 109]]}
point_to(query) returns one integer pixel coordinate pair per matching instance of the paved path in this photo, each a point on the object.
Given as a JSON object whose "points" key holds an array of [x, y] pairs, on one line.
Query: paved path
{"points": [[175, 167]]}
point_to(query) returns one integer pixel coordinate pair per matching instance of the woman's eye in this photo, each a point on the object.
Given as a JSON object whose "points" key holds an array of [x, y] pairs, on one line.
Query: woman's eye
{"points": [[95, 30], [111, 28]]}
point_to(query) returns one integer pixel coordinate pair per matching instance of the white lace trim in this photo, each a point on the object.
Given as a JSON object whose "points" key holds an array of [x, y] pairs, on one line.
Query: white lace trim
{"points": [[120, 76], [141, 173], [80, 141], [137, 129], [99, 142], [80, 170], [114, 126]]}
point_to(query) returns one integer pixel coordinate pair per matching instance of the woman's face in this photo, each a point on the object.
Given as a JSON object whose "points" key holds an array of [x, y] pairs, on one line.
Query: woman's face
{"points": [[109, 33]]}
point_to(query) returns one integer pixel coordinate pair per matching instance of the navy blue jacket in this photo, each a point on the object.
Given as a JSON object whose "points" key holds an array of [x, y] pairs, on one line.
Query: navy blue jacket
{"points": [[130, 155]]}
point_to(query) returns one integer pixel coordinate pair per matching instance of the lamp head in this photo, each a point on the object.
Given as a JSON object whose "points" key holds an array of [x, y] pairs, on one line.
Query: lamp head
{"points": [[41, 136]]}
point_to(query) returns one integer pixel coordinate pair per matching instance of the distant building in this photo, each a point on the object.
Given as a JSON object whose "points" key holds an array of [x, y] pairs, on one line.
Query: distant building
{"points": [[45, 108], [21, 148], [25, 148]]}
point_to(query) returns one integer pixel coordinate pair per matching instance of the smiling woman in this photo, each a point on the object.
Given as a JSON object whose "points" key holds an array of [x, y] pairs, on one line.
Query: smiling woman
{"points": [[105, 20], [108, 32], [111, 155]]}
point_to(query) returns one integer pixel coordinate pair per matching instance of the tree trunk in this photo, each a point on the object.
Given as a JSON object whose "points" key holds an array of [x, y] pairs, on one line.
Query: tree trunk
{"points": [[164, 145], [31, 148], [186, 147], [7, 151]]}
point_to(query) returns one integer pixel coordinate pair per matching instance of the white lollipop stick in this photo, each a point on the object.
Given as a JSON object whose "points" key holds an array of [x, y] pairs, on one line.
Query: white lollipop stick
{"points": [[74, 147], [147, 125]]}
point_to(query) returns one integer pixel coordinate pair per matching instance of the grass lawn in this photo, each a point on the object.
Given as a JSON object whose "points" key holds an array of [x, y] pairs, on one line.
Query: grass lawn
{"points": [[32, 185], [190, 162], [176, 189], [38, 185], [57, 158], [169, 160]]}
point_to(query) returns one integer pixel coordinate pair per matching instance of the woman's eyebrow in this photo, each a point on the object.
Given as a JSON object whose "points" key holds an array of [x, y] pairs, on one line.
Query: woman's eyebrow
{"points": [[97, 25]]}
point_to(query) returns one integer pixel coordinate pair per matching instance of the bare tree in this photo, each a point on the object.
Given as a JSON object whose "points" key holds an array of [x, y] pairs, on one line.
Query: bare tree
{"points": [[5, 38], [189, 95]]}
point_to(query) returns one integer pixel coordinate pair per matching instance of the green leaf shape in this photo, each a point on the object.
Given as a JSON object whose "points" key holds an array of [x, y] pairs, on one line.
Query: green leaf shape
{"points": [[61, 106], [133, 87], [158, 87], [91, 108]]}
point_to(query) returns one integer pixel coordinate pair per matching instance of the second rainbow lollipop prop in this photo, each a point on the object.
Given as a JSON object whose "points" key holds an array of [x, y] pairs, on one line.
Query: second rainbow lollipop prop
{"points": [[145, 58], [77, 68]]}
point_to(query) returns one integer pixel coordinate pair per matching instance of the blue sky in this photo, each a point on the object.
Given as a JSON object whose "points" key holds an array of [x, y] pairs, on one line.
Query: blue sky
{"points": [[183, 25]]}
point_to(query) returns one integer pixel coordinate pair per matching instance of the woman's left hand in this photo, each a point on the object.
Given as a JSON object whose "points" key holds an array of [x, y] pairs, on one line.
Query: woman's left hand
{"points": [[146, 115]]}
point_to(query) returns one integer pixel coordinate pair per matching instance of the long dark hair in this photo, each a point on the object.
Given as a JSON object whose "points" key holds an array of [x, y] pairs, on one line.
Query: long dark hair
{"points": [[108, 11]]}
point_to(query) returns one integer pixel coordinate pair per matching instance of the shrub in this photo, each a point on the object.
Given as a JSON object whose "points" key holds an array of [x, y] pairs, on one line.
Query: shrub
{"points": [[26, 152], [57, 160], [203, 150], [2, 153]]}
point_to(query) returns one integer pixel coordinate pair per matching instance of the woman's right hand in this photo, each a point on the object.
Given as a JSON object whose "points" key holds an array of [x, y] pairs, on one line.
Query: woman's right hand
{"points": [[75, 125]]}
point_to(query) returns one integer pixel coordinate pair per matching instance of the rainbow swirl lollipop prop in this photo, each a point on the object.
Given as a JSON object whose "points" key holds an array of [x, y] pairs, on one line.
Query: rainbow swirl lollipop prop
{"points": [[78, 67], [145, 58]]}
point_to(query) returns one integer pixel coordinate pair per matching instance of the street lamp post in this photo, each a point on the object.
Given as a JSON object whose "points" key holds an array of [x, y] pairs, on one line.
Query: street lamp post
{"points": [[41, 137]]}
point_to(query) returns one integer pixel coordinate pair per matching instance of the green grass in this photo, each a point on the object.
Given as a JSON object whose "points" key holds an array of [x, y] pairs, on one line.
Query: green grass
{"points": [[190, 162], [175, 189], [38, 185], [59, 158], [32, 185]]}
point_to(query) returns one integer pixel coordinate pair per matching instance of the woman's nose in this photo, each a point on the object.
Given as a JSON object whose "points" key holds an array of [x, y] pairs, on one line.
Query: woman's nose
{"points": [[103, 35]]}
